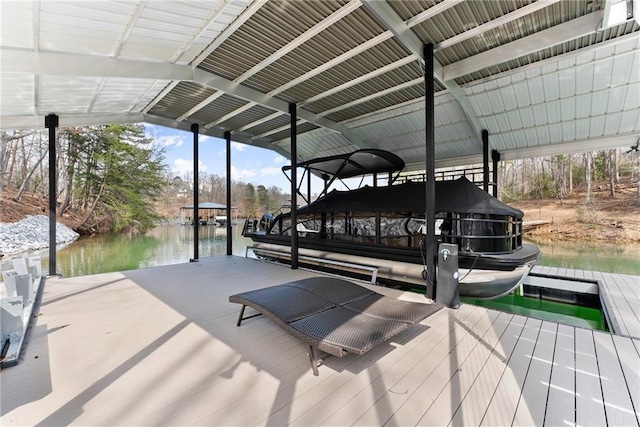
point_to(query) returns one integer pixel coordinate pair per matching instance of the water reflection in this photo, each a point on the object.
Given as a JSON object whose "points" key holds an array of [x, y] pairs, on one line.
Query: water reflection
{"points": [[173, 244], [164, 245], [605, 257]]}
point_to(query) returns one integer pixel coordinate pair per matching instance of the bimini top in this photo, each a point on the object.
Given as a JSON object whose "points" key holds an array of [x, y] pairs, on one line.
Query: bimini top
{"points": [[360, 162], [459, 196]]}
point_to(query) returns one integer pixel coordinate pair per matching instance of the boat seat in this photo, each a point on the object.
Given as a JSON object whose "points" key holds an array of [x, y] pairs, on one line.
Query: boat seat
{"points": [[333, 315]]}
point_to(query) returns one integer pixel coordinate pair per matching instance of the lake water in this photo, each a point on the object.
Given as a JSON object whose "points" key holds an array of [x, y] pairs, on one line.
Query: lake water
{"points": [[173, 244]]}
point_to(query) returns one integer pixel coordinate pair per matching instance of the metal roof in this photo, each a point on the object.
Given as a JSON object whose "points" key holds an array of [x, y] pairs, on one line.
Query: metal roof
{"points": [[542, 77]]}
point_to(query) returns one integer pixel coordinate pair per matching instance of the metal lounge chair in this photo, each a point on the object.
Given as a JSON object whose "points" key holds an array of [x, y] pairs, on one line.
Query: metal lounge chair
{"points": [[333, 315]]}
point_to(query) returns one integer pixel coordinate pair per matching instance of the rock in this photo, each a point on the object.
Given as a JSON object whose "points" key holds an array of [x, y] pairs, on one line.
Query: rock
{"points": [[31, 233]]}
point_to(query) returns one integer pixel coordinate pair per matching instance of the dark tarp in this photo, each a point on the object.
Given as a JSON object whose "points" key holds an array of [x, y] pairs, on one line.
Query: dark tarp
{"points": [[360, 162], [459, 196]]}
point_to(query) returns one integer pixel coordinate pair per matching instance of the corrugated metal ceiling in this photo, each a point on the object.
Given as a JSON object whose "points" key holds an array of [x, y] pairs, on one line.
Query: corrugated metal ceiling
{"points": [[539, 76]]}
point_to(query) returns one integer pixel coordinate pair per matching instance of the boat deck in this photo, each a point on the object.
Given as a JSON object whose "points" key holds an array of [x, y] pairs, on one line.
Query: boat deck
{"points": [[161, 346], [620, 294]]}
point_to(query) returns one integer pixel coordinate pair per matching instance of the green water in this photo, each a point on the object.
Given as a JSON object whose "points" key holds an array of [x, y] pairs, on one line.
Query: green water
{"points": [[568, 314], [164, 245], [623, 259], [605, 257]]}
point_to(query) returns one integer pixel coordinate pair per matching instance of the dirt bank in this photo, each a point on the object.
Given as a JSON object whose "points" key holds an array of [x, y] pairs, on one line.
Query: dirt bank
{"points": [[614, 220]]}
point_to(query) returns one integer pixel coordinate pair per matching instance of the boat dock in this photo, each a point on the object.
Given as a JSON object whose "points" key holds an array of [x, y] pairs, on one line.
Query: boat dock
{"points": [[619, 293], [161, 346]]}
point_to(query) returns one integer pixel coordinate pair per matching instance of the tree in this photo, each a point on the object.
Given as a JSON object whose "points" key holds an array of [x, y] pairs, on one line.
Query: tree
{"points": [[120, 178], [262, 196], [249, 200], [587, 158], [612, 172], [32, 168]]}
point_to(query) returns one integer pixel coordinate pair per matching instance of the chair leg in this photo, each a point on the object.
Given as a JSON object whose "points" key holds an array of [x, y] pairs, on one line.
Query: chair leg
{"points": [[314, 361], [240, 317]]}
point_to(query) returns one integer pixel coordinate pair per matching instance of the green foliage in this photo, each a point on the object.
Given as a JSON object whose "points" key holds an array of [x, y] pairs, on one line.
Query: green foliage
{"points": [[116, 176]]}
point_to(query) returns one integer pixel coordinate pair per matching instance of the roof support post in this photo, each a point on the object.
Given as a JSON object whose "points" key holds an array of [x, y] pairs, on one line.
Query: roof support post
{"points": [[51, 122], [309, 187], [430, 187], [196, 187], [294, 189], [485, 160], [227, 137], [495, 157]]}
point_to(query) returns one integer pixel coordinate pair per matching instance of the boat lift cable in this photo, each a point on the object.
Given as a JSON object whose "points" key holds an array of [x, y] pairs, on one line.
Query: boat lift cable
{"points": [[425, 272], [470, 269]]}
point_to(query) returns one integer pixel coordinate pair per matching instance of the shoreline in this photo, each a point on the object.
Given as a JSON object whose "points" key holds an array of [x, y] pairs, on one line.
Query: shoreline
{"points": [[31, 234]]}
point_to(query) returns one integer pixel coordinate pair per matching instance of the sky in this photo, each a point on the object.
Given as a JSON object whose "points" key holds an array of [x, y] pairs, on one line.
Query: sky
{"points": [[249, 164]]}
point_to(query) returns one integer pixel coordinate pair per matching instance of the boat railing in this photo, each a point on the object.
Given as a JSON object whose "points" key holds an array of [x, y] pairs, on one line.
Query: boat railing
{"points": [[473, 234]]}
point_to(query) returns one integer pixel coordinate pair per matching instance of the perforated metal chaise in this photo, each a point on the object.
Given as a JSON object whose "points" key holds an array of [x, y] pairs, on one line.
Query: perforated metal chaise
{"points": [[333, 315]]}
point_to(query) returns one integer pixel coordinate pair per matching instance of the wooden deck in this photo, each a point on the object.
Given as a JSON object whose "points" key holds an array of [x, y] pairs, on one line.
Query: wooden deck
{"points": [[620, 294], [160, 346]]}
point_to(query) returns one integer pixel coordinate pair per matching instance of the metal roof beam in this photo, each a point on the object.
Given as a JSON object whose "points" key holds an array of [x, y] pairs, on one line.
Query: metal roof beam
{"points": [[404, 85], [581, 146], [358, 80], [274, 131], [233, 113], [213, 16], [222, 37], [427, 14], [231, 28], [168, 88], [67, 64], [41, 63], [201, 105], [390, 19], [335, 61], [133, 18], [246, 93], [431, 12], [301, 39], [260, 121], [553, 36], [495, 23], [92, 119]]}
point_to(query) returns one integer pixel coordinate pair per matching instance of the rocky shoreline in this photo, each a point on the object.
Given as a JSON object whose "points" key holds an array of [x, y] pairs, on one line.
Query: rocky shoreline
{"points": [[31, 234]]}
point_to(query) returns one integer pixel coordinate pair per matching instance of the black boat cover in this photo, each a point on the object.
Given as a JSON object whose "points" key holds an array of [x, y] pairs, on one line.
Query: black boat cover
{"points": [[357, 163], [455, 196]]}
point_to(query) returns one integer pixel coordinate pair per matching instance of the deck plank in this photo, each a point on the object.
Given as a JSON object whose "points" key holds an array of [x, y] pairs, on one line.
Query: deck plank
{"points": [[504, 402], [451, 396], [629, 362], [615, 390], [473, 407], [533, 400], [588, 389], [400, 391], [175, 357], [351, 406], [428, 390], [354, 368], [626, 309], [561, 400]]}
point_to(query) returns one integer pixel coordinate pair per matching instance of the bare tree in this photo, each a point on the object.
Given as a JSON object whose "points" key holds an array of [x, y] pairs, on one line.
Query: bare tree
{"points": [[32, 168], [570, 173], [587, 158], [612, 172]]}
